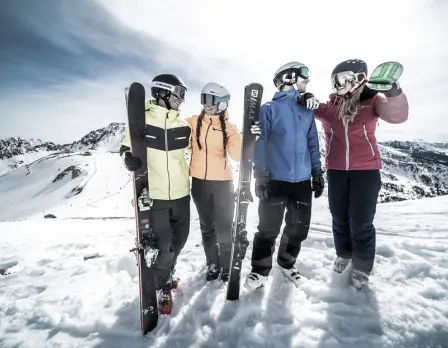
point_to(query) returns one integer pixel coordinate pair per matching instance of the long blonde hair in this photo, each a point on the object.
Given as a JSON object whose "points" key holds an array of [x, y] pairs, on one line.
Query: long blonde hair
{"points": [[350, 106]]}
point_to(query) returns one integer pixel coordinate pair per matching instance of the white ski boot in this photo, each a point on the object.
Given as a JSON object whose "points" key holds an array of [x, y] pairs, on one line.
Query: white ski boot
{"points": [[340, 264], [359, 279], [255, 281], [293, 275]]}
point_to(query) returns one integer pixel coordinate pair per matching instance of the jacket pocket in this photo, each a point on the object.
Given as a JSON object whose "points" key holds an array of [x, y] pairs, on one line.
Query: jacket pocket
{"points": [[367, 138], [329, 143]]}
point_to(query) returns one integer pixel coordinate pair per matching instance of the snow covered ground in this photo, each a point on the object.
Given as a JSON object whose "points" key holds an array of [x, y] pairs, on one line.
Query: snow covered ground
{"points": [[51, 297]]}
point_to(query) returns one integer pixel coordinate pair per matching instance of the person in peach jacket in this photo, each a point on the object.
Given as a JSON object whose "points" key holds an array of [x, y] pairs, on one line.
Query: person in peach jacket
{"points": [[214, 139]]}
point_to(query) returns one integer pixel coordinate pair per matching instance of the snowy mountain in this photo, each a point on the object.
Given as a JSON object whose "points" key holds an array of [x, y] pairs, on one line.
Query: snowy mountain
{"points": [[107, 139], [69, 207], [411, 169], [15, 152]]}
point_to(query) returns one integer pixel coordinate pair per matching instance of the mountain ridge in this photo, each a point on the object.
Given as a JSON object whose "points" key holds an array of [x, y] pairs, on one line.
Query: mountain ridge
{"points": [[412, 169]]}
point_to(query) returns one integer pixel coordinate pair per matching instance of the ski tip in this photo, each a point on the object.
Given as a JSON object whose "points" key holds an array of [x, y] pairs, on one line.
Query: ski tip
{"points": [[91, 256], [253, 84]]}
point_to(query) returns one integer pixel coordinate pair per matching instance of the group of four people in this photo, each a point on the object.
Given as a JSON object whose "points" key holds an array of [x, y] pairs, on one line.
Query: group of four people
{"points": [[287, 170]]}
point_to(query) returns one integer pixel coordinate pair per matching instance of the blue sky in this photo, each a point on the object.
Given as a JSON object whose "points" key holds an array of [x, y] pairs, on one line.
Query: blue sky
{"points": [[64, 64]]}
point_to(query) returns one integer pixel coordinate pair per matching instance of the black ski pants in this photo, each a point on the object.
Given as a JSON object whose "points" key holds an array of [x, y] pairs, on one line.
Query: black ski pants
{"points": [[352, 198], [296, 199], [215, 201], [170, 222]]}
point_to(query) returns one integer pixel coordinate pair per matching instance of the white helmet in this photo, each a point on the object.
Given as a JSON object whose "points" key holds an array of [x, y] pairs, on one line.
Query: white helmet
{"points": [[287, 74], [215, 94]]}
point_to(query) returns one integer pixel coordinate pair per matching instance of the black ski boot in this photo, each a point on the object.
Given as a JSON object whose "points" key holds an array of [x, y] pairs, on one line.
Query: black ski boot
{"points": [[212, 272], [225, 275]]}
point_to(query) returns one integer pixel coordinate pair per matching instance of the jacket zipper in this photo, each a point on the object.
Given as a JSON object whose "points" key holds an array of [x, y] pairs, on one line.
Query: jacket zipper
{"points": [[331, 138], [367, 138], [347, 150], [295, 146], [167, 166], [206, 152]]}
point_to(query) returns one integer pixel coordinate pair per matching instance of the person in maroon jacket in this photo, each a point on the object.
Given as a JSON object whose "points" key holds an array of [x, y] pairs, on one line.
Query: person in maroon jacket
{"points": [[353, 161]]}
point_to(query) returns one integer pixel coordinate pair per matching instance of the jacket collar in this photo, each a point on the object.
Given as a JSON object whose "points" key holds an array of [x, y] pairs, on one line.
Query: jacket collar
{"points": [[289, 95], [214, 120], [161, 113]]}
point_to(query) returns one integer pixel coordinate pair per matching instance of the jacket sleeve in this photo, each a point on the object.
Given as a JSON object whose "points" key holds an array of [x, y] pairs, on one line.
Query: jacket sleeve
{"points": [[125, 144], [392, 109], [313, 146], [319, 112], [260, 144], [189, 148], [233, 142]]}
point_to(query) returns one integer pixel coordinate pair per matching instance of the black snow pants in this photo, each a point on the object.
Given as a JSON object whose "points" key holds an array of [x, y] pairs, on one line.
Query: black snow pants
{"points": [[170, 222], [296, 198], [352, 198], [215, 203]]}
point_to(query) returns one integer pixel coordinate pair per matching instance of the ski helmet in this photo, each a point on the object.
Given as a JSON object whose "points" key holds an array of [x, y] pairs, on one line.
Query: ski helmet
{"points": [[215, 94], [164, 85], [348, 71], [288, 73]]}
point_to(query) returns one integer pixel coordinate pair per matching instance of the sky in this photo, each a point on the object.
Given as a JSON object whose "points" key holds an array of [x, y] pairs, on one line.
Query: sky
{"points": [[64, 64]]}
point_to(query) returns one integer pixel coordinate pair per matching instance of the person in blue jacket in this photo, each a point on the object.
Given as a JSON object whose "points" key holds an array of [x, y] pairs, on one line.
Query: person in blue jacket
{"points": [[287, 169]]}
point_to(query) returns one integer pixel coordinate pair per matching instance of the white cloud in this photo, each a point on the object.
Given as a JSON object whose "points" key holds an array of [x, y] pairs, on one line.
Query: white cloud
{"points": [[256, 37]]}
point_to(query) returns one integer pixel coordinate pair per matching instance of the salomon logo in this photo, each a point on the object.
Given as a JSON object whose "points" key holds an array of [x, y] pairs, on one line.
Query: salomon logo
{"points": [[254, 93]]}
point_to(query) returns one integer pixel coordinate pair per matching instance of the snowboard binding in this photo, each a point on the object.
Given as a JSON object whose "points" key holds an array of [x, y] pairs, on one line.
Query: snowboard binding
{"points": [[144, 201]]}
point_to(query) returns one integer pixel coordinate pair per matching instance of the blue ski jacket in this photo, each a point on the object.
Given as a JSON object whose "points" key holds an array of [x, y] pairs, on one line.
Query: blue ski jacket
{"points": [[288, 147]]}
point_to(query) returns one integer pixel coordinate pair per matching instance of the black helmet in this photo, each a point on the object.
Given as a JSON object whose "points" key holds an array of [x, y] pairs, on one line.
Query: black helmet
{"points": [[164, 85], [356, 66]]}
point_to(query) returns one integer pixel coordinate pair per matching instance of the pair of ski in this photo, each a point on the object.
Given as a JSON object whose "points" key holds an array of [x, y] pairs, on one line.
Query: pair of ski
{"points": [[145, 248]]}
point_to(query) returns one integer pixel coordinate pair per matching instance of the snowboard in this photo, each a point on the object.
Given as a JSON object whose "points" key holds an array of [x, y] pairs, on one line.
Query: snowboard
{"points": [[385, 75], [252, 103], [144, 246]]}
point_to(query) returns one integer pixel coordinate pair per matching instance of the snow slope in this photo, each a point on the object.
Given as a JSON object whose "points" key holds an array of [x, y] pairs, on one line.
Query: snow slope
{"points": [[51, 297]]}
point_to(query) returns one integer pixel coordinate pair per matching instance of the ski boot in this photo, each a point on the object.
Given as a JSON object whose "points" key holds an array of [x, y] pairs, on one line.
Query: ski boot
{"points": [[359, 279], [255, 281], [164, 301], [224, 275], [340, 264], [212, 272], [293, 275]]}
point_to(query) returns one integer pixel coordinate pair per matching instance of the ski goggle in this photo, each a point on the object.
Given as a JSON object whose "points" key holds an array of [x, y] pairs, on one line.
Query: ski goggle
{"points": [[291, 76], [340, 80], [178, 91], [210, 99]]}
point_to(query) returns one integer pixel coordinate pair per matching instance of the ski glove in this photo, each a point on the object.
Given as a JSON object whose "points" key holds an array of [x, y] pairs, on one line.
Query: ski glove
{"points": [[394, 91], [311, 101], [261, 185], [318, 183], [132, 163], [255, 129]]}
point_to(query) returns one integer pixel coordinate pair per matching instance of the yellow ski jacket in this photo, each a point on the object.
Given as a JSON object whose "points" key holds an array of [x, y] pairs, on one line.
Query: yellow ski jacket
{"points": [[167, 139]]}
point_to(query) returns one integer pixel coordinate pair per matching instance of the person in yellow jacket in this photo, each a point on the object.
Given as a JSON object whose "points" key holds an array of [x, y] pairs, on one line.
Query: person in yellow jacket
{"points": [[214, 140], [167, 139]]}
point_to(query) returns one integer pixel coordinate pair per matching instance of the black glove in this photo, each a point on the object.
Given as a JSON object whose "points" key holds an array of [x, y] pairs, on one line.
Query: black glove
{"points": [[132, 163], [310, 101], [261, 184], [394, 91], [318, 183]]}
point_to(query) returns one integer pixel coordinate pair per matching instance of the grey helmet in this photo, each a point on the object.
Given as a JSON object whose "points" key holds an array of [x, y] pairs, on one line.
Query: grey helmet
{"points": [[215, 94], [287, 74]]}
